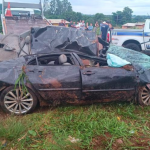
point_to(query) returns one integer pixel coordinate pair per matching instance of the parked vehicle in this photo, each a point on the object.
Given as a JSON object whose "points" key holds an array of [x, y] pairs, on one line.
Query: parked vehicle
{"points": [[132, 38]]}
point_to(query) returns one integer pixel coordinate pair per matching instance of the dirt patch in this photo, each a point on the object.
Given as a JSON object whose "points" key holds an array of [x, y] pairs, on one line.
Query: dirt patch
{"points": [[142, 141], [3, 115], [101, 142], [117, 145]]}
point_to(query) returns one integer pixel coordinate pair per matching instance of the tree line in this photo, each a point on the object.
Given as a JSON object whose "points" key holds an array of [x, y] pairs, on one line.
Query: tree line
{"points": [[62, 9]]}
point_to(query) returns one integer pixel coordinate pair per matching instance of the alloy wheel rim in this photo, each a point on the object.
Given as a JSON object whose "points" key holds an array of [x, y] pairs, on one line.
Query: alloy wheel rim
{"points": [[18, 102], [145, 94]]}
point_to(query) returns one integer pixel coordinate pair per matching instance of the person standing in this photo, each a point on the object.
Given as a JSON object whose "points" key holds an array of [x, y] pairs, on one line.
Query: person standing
{"points": [[70, 24], [101, 23], [73, 25], [109, 24], [62, 23], [80, 22], [65, 23], [96, 24], [96, 28], [104, 30], [86, 27], [90, 27], [78, 25], [82, 26]]}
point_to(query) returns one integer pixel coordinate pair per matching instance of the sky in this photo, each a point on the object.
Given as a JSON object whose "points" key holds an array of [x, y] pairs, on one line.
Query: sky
{"points": [[139, 7]]}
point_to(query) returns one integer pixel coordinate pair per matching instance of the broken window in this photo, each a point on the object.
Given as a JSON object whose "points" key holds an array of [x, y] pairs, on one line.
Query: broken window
{"points": [[51, 60], [87, 62]]}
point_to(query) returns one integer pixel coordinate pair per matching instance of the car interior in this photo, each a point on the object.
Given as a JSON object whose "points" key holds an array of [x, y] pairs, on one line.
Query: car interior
{"points": [[90, 62], [51, 60]]}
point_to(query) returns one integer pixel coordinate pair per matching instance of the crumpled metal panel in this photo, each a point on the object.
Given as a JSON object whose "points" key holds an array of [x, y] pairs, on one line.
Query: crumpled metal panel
{"points": [[54, 38], [10, 70]]}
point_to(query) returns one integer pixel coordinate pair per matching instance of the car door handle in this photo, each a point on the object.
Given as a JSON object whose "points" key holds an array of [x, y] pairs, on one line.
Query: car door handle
{"points": [[88, 73]]}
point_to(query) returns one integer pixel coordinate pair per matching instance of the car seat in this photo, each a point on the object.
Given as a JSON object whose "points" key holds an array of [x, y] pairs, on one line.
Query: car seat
{"points": [[63, 60]]}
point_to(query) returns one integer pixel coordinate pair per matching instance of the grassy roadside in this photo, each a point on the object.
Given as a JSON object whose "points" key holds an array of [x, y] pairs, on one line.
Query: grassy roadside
{"points": [[104, 126]]}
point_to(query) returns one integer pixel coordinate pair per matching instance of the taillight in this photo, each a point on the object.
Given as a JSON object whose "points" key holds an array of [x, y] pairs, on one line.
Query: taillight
{"points": [[107, 37]]}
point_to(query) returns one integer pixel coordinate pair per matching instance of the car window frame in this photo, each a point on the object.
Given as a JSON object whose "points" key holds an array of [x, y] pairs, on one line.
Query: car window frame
{"points": [[37, 62]]}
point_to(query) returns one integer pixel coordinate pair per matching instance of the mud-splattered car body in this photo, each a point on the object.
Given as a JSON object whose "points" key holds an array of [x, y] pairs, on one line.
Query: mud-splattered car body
{"points": [[84, 81], [87, 79]]}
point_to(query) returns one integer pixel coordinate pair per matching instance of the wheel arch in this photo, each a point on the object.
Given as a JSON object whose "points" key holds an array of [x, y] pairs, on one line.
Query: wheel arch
{"points": [[132, 41]]}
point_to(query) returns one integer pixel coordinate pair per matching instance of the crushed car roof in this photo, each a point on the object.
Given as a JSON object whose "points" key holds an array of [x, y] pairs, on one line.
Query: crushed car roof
{"points": [[55, 38]]}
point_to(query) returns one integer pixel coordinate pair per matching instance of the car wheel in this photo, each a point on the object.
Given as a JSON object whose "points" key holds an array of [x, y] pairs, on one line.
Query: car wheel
{"points": [[17, 102], [144, 96], [133, 46]]}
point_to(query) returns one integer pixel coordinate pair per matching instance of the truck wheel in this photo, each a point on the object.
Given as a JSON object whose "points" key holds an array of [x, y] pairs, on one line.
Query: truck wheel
{"points": [[133, 46]]}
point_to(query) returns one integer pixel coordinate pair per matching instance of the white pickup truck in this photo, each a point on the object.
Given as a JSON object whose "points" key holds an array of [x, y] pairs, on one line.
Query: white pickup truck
{"points": [[132, 38]]}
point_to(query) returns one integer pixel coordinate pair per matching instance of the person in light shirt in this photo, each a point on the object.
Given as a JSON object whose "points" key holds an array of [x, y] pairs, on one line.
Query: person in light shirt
{"points": [[78, 25], [90, 27], [82, 25]]}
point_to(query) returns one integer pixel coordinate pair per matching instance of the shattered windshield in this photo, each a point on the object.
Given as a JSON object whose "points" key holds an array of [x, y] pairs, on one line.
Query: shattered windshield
{"points": [[139, 60]]}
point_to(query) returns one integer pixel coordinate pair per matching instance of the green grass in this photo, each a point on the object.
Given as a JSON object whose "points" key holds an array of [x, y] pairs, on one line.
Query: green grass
{"points": [[94, 127]]}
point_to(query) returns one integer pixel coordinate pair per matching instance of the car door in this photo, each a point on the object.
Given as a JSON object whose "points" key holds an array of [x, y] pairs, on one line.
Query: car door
{"points": [[147, 35], [56, 82], [107, 84], [146, 39]]}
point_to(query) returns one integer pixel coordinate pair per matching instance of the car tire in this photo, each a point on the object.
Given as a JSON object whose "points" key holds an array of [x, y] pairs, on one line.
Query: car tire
{"points": [[17, 102], [144, 96], [133, 46]]}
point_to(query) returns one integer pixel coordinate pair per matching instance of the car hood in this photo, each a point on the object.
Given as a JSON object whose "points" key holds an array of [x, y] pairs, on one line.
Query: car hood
{"points": [[140, 61]]}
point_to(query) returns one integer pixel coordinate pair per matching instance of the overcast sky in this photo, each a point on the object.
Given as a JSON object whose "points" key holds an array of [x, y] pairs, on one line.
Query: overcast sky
{"points": [[139, 7]]}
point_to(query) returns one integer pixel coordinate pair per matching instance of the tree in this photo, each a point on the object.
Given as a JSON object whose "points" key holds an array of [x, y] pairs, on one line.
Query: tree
{"points": [[122, 17], [52, 7], [90, 20], [127, 15], [58, 10], [139, 19], [66, 6], [46, 5], [70, 16], [99, 17], [117, 18], [58, 7]]}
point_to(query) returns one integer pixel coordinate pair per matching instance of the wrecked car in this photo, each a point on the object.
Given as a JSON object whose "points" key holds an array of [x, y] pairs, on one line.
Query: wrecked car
{"points": [[69, 70], [66, 77]]}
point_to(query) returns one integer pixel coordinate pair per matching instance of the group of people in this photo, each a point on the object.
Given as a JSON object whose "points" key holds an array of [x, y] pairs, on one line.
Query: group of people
{"points": [[103, 27], [81, 25]]}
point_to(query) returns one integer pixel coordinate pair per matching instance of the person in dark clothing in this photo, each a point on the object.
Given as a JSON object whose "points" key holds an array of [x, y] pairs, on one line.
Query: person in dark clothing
{"points": [[104, 30], [61, 23], [109, 24], [70, 24], [73, 25]]}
